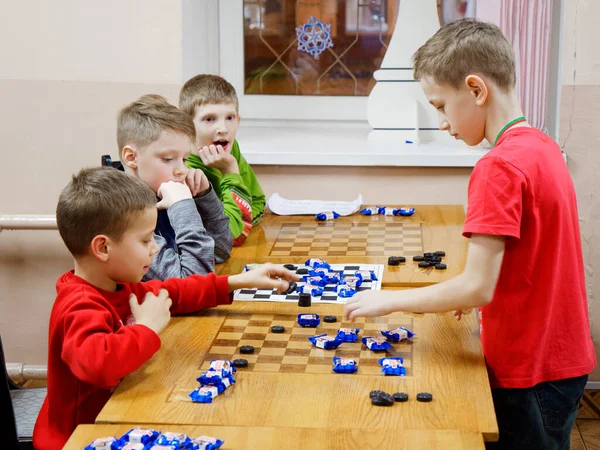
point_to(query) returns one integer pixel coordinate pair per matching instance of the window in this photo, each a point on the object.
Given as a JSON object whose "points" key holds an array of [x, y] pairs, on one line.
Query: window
{"points": [[329, 78], [251, 43]]}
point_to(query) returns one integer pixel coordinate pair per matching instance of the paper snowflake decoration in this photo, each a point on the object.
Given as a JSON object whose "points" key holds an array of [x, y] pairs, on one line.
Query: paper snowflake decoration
{"points": [[314, 37]]}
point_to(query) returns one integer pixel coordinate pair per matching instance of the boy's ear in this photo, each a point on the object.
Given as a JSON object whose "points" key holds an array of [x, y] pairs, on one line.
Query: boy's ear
{"points": [[100, 247], [478, 87], [129, 157]]}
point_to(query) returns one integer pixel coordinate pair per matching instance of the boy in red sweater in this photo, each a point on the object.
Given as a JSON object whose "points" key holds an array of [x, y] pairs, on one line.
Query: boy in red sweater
{"points": [[524, 268], [104, 323]]}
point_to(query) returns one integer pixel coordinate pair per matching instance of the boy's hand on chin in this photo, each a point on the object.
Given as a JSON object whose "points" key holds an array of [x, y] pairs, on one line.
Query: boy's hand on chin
{"points": [[172, 192], [216, 157], [197, 182]]}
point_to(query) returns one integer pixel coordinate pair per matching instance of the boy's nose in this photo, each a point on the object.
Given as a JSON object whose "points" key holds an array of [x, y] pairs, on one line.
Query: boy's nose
{"points": [[181, 169], [154, 248], [444, 125]]}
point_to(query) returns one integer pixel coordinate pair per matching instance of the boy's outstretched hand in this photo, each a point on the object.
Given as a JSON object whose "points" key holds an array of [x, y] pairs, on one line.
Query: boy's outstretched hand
{"points": [[368, 304], [216, 157], [154, 312], [267, 276]]}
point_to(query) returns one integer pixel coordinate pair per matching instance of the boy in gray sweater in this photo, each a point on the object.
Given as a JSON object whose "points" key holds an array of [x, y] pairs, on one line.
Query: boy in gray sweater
{"points": [[192, 232]]}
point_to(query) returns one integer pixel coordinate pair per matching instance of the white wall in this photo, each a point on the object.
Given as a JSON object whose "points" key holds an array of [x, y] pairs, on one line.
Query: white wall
{"points": [[127, 41]]}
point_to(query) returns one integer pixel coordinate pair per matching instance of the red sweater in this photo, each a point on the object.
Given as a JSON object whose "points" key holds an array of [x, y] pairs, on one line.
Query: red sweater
{"points": [[93, 344]]}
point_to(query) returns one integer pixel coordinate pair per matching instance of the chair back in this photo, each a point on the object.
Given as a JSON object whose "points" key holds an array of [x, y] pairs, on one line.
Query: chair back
{"points": [[107, 161]]}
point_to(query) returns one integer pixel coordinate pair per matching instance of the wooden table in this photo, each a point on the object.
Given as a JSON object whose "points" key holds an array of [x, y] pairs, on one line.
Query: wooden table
{"points": [[260, 438], [359, 238], [445, 359]]}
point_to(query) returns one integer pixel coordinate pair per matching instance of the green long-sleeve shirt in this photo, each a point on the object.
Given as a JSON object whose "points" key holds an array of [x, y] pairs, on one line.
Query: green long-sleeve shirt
{"points": [[243, 198]]}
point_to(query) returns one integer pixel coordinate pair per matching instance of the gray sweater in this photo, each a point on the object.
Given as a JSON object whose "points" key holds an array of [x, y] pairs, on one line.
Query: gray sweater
{"points": [[192, 235]]}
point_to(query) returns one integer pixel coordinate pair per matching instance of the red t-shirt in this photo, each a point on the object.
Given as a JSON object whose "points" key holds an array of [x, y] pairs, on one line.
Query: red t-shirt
{"points": [[93, 343], [536, 328]]}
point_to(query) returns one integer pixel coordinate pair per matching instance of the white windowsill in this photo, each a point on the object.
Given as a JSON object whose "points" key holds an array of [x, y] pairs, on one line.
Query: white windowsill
{"points": [[344, 147]]}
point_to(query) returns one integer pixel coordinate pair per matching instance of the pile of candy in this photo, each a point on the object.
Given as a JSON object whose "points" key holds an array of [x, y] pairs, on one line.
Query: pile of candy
{"points": [[214, 381], [146, 439], [387, 211], [320, 274]]}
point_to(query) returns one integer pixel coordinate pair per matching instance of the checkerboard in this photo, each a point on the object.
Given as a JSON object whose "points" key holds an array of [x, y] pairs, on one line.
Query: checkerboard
{"points": [[382, 236], [291, 351], [328, 296]]}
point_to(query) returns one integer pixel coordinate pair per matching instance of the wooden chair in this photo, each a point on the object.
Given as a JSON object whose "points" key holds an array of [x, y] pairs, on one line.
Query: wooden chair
{"points": [[19, 409]]}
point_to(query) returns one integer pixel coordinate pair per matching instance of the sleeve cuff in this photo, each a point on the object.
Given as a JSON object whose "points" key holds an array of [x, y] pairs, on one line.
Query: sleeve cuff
{"points": [[224, 297], [494, 230]]}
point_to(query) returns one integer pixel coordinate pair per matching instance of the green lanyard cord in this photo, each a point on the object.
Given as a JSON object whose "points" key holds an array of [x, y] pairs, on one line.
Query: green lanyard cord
{"points": [[508, 125]]}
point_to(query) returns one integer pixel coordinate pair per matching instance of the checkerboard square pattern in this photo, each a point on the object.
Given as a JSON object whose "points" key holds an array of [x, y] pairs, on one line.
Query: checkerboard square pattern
{"points": [[328, 296], [374, 238], [291, 351]]}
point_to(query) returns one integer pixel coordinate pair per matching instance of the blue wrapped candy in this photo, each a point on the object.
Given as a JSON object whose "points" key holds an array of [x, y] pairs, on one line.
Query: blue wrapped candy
{"points": [[313, 290], [222, 366], [366, 275], [104, 443], [214, 378], [386, 211], [137, 436], [376, 344], [176, 440], [327, 215], [139, 446], [308, 320], [325, 342], [353, 280], [370, 211], [345, 291], [316, 262], [344, 365], [333, 278], [315, 281], [404, 211], [348, 334], [318, 272], [204, 394], [392, 366], [398, 334], [206, 443]]}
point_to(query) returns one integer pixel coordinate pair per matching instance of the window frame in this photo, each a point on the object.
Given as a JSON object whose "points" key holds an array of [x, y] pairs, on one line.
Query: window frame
{"points": [[207, 30]]}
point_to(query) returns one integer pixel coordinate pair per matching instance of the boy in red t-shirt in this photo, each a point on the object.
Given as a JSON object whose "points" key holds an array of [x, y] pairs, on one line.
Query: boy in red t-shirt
{"points": [[104, 323], [524, 268]]}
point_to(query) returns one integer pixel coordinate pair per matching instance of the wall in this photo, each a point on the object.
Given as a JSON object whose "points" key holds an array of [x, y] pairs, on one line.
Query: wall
{"points": [[580, 137]]}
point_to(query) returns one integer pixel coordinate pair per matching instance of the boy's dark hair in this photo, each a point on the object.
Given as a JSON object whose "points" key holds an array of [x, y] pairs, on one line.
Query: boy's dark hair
{"points": [[140, 123], [463, 47], [206, 90], [101, 200]]}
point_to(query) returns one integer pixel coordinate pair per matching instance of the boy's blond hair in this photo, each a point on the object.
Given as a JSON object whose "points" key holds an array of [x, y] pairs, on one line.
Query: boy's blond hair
{"points": [[463, 47], [140, 123], [206, 90], [101, 200]]}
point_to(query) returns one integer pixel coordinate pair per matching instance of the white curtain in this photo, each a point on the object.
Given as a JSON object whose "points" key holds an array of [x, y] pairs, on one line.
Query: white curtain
{"points": [[527, 25]]}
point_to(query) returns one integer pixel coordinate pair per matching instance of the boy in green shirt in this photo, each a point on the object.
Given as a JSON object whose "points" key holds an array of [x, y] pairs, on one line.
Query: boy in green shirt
{"points": [[213, 104]]}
